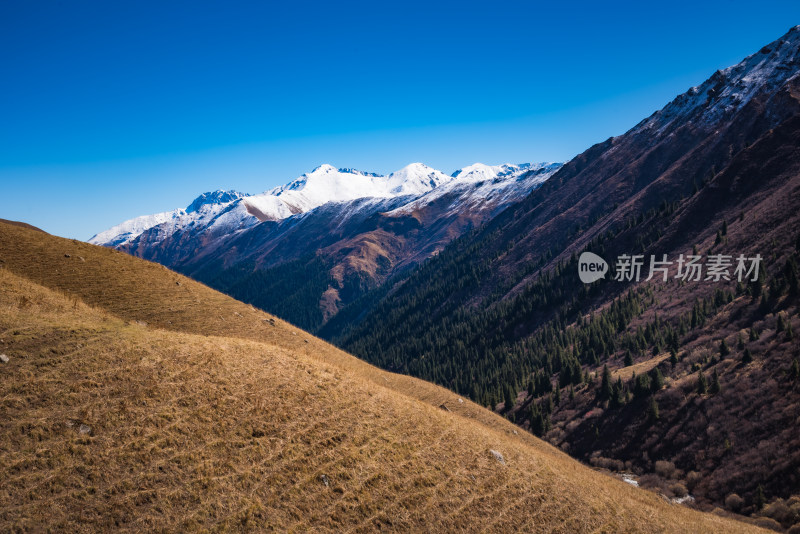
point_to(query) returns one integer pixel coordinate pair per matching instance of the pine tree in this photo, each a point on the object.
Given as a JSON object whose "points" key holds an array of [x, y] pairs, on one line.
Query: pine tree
{"points": [[558, 396], [508, 400], [673, 358], [757, 287], [652, 410], [641, 385], [618, 395], [572, 391], [628, 359], [754, 335], [702, 385], [656, 379], [793, 275], [760, 499], [723, 349], [537, 421], [740, 342], [715, 387], [606, 390], [763, 305], [747, 357]]}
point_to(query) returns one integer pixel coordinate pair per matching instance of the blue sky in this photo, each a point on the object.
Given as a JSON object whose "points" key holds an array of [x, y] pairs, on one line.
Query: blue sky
{"points": [[110, 110]]}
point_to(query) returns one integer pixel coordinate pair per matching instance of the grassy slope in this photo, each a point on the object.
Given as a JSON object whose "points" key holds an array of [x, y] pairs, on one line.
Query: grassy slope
{"points": [[205, 414]]}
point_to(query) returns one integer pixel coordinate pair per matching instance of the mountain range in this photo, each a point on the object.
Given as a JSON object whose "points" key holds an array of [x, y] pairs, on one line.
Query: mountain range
{"points": [[691, 387], [345, 230]]}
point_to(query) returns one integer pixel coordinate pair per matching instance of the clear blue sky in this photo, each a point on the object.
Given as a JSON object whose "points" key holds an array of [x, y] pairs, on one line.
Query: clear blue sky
{"points": [[110, 110]]}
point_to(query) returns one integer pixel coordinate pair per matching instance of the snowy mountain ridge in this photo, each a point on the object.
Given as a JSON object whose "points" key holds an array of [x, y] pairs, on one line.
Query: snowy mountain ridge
{"points": [[730, 89], [222, 212]]}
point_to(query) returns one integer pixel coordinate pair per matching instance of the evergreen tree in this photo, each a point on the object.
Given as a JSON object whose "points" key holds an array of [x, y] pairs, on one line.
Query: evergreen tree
{"points": [[558, 396], [757, 286], [508, 399], [763, 305], [572, 390], [793, 277], [628, 359], [754, 335], [641, 385], [652, 410], [723, 349], [715, 387], [673, 358], [740, 342], [760, 499], [606, 390], [618, 395], [747, 357], [656, 379], [537, 421], [702, 385]]}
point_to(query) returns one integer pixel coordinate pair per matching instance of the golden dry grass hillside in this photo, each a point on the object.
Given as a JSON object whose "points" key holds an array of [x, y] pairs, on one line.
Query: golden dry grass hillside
{"points": [[135, 399]]}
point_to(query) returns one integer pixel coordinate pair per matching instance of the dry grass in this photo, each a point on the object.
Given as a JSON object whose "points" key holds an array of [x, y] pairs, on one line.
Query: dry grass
{"points": [[211, 417], [644, 366]]}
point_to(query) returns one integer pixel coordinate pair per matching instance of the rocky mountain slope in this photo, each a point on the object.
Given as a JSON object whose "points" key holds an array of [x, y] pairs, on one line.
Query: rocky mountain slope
{"points": [[133, 398], [501, 316]]}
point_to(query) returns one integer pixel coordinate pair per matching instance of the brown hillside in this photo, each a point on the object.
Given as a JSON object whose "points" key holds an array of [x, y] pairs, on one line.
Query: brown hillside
{"points": [[21, 224], [136, 399]]}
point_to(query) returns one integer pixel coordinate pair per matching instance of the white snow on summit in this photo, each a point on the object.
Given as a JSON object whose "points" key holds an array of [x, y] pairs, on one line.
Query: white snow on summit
{"points": [[133, 228], [730, 89], [480, 184], [328, 184], [223, 212], [415, 179]]}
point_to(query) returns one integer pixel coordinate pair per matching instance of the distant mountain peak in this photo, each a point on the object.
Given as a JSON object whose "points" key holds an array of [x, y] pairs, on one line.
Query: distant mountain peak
{"points": [[416, 166], [480, 171], [325, 168], [214, 197]]}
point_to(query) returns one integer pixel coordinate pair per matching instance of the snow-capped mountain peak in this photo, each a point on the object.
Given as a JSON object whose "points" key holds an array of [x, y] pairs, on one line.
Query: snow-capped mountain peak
{"points": [[479, 184], [214, 197], [325, 168], [478, 172], [730, 89], [129, 230], [220, 212], [415, 179]]}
